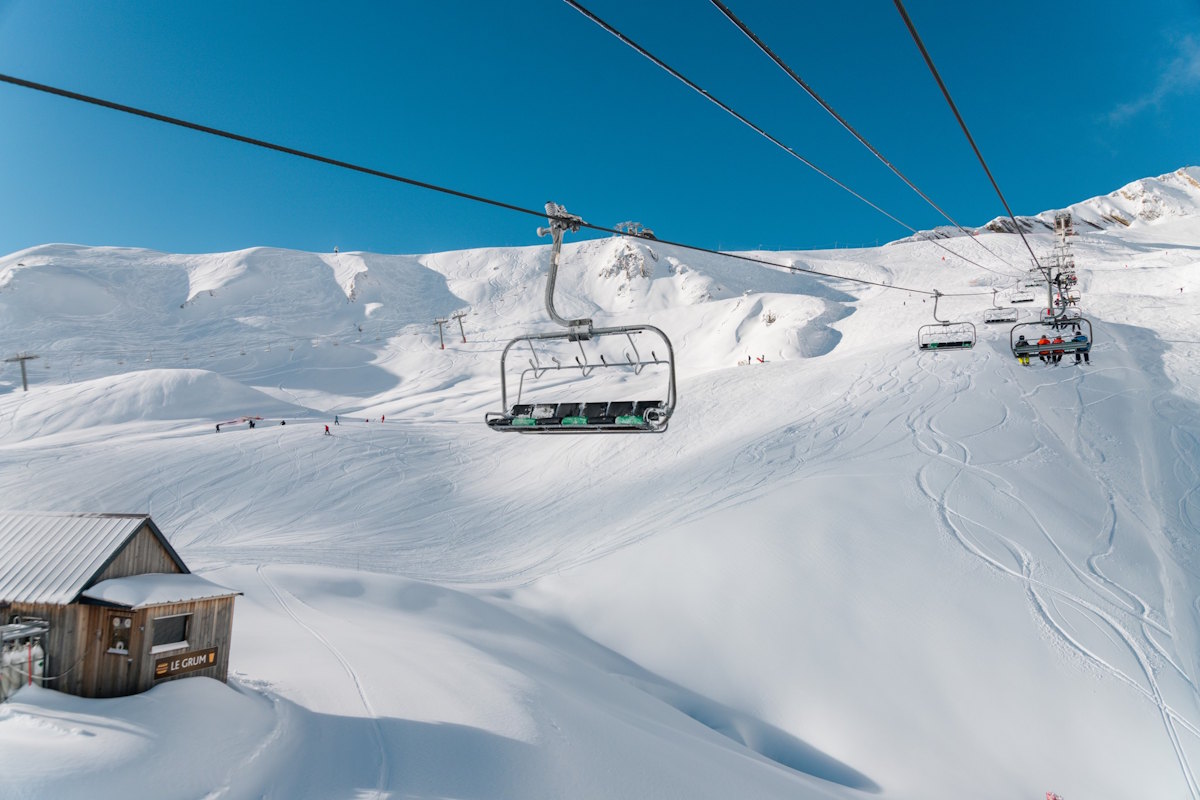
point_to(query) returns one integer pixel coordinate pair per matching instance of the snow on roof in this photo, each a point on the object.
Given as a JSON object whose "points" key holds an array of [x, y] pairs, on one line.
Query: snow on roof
{"points": [[155, 589], [49, 557]]}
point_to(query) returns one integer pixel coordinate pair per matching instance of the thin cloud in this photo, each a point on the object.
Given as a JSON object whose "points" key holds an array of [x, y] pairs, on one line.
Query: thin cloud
{"points": [[1181, 75]]}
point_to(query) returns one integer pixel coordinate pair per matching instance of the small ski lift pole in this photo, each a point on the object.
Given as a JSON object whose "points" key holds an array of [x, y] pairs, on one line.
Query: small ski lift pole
{"points": [[440, 322], [22, 358], [459, 316]]}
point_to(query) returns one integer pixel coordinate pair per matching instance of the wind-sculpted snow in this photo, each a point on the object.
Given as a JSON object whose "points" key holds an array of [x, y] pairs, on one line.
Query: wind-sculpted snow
{"points": [[848, 568], [1174, 195]]}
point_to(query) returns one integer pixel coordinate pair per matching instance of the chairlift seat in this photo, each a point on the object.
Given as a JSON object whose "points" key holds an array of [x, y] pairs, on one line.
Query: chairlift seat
{"points": [[946, 336], [1067, 315], [1000, 315], [1035, 331], [618, 415], [1066, 346], [957, 344]]}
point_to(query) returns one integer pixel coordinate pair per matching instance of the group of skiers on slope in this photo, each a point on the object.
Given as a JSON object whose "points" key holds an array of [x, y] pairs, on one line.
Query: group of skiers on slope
{"points": [[219, 424], [1050, 355], [337, 421]]}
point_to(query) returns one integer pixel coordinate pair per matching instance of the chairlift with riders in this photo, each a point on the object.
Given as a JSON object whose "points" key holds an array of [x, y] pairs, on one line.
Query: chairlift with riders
{"points": [[1024, 347]]}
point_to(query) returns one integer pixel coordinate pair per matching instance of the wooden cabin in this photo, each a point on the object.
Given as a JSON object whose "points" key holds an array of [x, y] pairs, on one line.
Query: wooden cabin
{"points": [[122, 609]]}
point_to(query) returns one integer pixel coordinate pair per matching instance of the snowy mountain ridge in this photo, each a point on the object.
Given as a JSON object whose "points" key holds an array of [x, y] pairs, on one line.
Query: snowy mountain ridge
{"points": [[1175, 194], [848, 568]]}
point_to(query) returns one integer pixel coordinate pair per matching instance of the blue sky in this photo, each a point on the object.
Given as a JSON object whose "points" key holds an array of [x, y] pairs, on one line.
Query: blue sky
{"points": [[529, 101]]}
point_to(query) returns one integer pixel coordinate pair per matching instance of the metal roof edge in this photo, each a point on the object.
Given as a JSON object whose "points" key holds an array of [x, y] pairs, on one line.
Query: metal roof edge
{"points": [[158, 534]]}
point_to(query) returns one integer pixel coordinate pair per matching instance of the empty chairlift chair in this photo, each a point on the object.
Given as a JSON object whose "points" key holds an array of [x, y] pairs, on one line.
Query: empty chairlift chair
{"points": [[1061, 316], [577, 353], [945, 335], [998, 313]]}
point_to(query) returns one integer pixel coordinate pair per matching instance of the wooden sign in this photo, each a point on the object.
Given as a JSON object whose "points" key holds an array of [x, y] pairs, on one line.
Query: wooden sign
{"points": [[183, 663]]}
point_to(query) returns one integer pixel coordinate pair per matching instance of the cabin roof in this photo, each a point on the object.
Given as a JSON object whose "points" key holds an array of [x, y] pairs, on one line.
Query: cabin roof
{"points": [[50, 557]]}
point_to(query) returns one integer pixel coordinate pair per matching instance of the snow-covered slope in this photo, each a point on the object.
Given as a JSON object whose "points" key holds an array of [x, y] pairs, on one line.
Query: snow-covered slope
{"points": [[849, 569]]}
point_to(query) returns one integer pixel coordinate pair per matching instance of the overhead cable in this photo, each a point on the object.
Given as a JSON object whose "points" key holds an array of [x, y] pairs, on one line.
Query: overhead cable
{"points": [[83, 98], [745, 29], [727, 109], [912, 29]]}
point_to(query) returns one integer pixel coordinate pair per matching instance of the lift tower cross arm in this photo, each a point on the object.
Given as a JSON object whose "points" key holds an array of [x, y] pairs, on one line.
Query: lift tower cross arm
{"points": [[22, 357]]}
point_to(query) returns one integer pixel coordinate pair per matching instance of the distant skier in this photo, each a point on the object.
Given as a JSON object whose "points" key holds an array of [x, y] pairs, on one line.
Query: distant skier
{"points": [[251, 423], [283, 422], [218, 427], [326, 430], [382, 418], [335, 420]]}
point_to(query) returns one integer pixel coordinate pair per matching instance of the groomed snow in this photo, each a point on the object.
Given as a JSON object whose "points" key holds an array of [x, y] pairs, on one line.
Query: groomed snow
{"points": [[853, 569]]}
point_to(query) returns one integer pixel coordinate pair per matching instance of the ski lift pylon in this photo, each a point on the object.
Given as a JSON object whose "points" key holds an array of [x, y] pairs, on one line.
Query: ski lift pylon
{"points": [[552, 415]]}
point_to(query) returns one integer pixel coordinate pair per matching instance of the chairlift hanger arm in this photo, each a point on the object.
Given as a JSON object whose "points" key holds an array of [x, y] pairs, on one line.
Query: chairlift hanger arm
{"points": [[937, 296], [560, 222]]}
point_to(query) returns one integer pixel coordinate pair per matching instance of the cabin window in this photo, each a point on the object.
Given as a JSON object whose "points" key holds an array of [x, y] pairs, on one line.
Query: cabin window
{"points": [[120, 629], [170, 633]]}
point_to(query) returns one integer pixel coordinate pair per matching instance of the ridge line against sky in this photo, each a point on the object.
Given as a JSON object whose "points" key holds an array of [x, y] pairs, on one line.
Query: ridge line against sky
{"points": [[532, 102]]}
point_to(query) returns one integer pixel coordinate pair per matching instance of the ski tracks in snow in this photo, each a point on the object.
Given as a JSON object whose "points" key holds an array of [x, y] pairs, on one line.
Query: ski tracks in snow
{"points": [[384, 778], [1113, 601]]}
